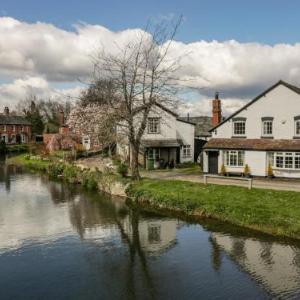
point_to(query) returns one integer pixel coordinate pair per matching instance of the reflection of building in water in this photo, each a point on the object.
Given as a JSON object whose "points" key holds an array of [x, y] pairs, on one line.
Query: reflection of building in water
{"points": [[274, 265], [155, 235]]}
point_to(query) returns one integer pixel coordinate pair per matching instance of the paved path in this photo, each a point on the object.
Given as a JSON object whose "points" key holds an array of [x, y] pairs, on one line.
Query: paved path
{"points": [[262, 183]]}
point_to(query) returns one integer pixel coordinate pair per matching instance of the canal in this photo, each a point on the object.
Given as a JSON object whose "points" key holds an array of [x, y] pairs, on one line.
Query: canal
{"points": [[59, 242]]}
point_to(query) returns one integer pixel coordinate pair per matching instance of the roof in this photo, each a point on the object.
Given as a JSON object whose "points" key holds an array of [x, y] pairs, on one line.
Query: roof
{"points": [[202, 123], [166, 109], [254, 144], [280, 82], [13, 120], [162, 143]]}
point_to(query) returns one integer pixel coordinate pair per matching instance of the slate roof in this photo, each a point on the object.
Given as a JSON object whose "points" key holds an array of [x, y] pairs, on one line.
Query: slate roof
{"points": [[162, 143], [280, 82], [13, 120], [254, 144], [202, 125]]}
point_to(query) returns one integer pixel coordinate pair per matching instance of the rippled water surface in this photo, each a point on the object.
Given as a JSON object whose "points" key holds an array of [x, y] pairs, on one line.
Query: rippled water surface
{"points": [[58, 242]]}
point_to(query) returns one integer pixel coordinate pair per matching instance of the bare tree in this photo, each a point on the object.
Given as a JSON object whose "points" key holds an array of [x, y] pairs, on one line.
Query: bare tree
{"points": [[141, 75]]}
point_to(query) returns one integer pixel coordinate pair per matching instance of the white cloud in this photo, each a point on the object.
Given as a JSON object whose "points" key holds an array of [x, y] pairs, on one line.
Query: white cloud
{"points": [[19, 89], [35, 55]]}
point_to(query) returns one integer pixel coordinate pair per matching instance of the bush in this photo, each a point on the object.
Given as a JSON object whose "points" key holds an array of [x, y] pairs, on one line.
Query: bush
{"points": [[122, 169], [90, 180], [70, 173], [27, 157], [55, 170]]}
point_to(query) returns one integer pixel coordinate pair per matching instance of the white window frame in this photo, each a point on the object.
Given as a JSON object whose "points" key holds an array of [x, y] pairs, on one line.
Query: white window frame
{"points": [[234, 158], [234, 128], [186, 151], [14, 128], [153, 125], [285, 160], [265, 128]]}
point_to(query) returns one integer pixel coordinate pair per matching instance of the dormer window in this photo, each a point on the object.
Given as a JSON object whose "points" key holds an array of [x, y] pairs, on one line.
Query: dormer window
{"points": [[297, 126], [153, 125], [239, 126], [267, 126]]}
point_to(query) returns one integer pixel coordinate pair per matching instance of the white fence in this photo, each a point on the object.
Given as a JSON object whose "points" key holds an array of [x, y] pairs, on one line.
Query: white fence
{"points": [[249, 180]]}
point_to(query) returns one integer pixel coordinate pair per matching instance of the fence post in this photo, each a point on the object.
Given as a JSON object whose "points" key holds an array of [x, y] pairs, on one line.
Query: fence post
{"points": [[250, 184]]}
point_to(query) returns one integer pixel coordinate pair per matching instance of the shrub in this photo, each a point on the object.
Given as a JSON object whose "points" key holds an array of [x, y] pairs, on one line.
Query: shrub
{"points": [[27, 157], [247, 170], [90, 180], [55, 170], [122, 169], [270, 171], [223, 170], [70, 173]]}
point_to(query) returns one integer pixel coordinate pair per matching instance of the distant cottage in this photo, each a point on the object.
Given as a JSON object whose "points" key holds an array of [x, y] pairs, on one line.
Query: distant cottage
{"points": [[14, 129]]}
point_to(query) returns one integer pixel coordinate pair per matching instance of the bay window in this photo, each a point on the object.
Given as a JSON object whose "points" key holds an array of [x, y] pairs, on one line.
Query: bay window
{"points": [[285, 160], [234, 158]]}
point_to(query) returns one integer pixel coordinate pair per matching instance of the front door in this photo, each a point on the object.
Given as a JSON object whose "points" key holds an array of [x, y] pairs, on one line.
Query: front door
{"points": [[213, 162]]}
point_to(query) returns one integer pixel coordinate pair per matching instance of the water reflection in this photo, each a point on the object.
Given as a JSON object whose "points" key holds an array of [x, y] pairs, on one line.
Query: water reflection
{"points": [[128, 252], [275, 266]]}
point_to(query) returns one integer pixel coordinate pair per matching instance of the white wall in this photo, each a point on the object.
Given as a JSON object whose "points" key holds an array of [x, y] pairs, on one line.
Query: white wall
{"points": [[167, 125], [186, 132], [280, 103]]}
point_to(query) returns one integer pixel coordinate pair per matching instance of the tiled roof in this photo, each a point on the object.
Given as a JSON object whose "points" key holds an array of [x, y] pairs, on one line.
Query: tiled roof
{"points": [[203, 124], [13, 120], [254, 144]]}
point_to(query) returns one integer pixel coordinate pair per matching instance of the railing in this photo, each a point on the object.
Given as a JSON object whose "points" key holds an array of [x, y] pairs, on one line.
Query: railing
{"points": [[249, 180]]}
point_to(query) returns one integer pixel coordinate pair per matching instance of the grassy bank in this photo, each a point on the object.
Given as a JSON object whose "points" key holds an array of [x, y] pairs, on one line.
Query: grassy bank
{"points": [[57, 169], [269, 211]]}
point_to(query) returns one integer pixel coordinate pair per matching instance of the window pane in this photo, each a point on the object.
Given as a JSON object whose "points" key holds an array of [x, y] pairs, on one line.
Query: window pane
{"points": [[297, 161], [267, 127], [279, 161], [239, 127]]}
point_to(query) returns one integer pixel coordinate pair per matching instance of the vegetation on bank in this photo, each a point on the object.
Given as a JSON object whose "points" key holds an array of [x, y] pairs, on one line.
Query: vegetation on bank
{"points": [[57, 169], [269, 211]]}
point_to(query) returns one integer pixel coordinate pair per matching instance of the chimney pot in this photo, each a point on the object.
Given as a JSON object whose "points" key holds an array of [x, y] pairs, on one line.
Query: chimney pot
{"points": [[6, 111]]}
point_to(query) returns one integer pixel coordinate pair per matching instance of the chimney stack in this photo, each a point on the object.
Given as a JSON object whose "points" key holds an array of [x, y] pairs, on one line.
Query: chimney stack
{"points": [[216, 110], [6, 111]]}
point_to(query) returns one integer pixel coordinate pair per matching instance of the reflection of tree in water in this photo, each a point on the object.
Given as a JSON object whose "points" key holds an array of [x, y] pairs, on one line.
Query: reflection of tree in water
{"points": [[6, 172], [216, 254], [95, 210]]}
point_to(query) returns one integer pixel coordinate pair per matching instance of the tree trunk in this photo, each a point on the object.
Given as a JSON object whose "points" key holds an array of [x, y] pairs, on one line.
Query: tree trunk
{"points": [[134, 161]]}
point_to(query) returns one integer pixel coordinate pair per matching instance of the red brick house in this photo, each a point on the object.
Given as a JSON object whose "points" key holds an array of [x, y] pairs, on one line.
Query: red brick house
{"points": [[14, 129]]}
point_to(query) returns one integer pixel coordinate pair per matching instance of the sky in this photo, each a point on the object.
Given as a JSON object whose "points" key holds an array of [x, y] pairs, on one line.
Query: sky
{"points": [[238, 48]]}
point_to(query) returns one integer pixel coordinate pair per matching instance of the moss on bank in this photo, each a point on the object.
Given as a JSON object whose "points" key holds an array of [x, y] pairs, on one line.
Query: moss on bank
{"points": [[269, 211]]}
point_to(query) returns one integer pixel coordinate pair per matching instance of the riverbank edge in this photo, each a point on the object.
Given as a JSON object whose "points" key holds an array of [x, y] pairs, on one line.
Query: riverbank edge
{"points": [[107, 182], [259, 209], [190, 200]]}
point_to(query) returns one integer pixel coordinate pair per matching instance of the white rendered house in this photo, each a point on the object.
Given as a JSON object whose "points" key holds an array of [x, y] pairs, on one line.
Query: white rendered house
{"points": [[167, 140], [263, 133]]}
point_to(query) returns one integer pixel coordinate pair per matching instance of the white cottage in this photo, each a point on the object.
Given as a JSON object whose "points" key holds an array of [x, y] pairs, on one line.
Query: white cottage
{"points": [[167, 140], [264, 133]]}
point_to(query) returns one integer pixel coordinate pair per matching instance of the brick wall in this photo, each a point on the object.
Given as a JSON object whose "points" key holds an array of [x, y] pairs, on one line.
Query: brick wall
{"points": [[11, 133]]}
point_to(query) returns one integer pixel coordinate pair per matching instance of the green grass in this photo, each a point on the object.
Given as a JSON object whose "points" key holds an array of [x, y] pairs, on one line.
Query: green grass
{"points": [[33, 164], [270, 211]]}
